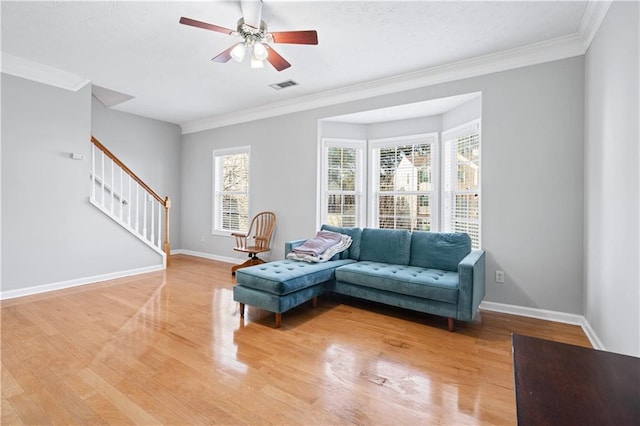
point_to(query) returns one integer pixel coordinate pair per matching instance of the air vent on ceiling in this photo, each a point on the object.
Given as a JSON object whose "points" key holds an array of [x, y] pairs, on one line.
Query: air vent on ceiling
{"points": [[284, 84]]}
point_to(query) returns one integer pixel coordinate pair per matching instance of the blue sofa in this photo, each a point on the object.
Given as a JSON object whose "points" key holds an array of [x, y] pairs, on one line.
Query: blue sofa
{"points": [[436, 273]]}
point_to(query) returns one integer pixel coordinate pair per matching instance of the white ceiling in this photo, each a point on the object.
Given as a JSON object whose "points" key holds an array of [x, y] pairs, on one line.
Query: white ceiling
{"points": [[140, 49]]}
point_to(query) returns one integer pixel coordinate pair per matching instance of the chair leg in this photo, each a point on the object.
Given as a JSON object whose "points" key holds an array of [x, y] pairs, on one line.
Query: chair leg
{"points": [[242, 310], [450, 324], [250, 262]]}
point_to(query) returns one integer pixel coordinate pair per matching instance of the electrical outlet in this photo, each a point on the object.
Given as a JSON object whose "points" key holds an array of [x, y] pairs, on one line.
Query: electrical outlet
{"points": [[500, 277]]}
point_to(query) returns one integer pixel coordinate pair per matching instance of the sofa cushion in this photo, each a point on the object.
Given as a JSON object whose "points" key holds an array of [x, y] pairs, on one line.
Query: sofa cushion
{"points": [[439, 250], [385, 245], [286, 276], [353, 252], [273, 302], [410, 280]]}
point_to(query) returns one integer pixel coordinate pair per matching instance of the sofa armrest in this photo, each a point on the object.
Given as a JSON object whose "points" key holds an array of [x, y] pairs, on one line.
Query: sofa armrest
{"points": [[290, 245], [471, 275]]}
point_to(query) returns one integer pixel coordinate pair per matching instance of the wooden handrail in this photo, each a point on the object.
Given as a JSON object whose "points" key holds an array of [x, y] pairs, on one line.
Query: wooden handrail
{"points": [[166, 202], [127, 170]]}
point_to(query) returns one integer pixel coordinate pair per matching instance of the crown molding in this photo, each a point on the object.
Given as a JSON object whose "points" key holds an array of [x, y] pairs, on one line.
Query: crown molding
{"points": [[551, 50], [24, 68], [592, 19], [546, 51]]}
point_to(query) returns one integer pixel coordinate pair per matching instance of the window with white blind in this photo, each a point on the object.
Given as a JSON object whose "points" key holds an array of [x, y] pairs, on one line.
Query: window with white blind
{"points": [[231, 190], [461, 181], [342, 194], [403, 176], [426, 182]]}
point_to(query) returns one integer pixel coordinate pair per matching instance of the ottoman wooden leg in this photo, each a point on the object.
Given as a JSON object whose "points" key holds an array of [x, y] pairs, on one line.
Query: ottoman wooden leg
{"points": [[450, 323], [314, 303], [278, 320], [242, 310]]}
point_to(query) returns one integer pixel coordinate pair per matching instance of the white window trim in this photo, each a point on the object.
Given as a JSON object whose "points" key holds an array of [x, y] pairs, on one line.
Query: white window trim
{"points": [[373, 179], [360, 146], [221, 153], [459, 131]]}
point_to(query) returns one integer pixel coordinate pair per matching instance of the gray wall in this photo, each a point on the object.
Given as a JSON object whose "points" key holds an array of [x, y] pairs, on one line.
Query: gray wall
{"points": [[282, 179], [51, 234], [533, 131], [612, 253], [150, 148]]}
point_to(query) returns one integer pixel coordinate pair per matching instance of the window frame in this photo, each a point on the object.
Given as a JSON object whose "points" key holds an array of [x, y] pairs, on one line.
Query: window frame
{"points": [[217, 194], [360, 191], [373, 153], [455, 133]]}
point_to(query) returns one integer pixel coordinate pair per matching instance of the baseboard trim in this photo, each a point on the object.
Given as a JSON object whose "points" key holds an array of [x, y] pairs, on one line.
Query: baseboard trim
{"points": [[591, 335], [548, 315], [504, 308], [60, 285], [208, 256]]}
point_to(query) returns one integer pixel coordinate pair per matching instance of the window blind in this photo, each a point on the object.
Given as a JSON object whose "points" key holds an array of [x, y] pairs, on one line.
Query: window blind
{"points": [[404, 190], [461, 189], [231, 198], [341, 197]]}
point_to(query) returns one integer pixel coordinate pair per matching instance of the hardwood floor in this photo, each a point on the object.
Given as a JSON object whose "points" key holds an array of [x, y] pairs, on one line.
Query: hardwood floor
{"points": [[169, 348]]}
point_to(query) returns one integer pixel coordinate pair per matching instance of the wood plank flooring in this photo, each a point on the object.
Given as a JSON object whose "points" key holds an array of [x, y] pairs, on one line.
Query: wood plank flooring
{"points": [[169, 348]]}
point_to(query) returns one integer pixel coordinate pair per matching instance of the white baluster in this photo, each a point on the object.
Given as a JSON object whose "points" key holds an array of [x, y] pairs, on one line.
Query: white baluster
{"points": [[121, 195], [153, 237], [137, 209], [144, 218], [112, 187], [159, 225], [93, 172], [103, 177], [129, 203]]}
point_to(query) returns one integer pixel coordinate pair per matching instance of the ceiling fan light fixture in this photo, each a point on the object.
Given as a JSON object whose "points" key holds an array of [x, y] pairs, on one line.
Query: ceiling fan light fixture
{"points": [[259, 51], [256, 63], [238, 52], [256, 40]]}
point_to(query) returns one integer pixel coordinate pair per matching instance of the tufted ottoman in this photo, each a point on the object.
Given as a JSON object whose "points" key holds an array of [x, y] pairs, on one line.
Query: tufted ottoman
{"points": [[281, 285]]}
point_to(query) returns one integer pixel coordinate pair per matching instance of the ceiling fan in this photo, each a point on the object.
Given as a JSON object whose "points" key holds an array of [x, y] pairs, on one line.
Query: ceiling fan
{"points": [[255, 38]]}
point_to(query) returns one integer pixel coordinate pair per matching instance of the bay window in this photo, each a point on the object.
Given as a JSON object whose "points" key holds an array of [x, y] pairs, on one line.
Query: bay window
{"points": [[425, 182]]}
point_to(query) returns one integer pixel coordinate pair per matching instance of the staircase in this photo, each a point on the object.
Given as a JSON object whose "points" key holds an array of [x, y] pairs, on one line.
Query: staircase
{"points": [[120, 194]]}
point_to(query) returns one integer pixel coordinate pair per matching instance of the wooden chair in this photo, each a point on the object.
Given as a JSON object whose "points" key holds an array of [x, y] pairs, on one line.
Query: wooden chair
{"points": [[262, 226]]}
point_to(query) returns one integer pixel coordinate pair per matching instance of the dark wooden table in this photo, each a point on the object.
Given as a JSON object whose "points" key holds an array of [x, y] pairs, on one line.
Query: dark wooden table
{"points": [[560, 384]]}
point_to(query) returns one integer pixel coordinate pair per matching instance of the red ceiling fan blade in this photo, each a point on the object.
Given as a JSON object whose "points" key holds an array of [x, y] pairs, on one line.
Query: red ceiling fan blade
{"points": [[224, 56], [274, 58], [204, 25], [296, 37]]}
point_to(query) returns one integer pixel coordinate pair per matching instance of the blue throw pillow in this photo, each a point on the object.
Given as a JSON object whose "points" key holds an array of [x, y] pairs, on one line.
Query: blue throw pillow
{"points": [[353, 252], [439, 250], [385, 245]]}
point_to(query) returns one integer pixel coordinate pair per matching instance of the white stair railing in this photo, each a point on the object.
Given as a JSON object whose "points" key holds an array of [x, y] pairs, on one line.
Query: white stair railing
{"points": [[124, 197]]}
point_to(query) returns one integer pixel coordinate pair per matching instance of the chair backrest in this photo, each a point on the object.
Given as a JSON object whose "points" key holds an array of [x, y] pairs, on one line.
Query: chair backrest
{"points": [[264, 223]]}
